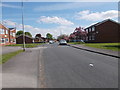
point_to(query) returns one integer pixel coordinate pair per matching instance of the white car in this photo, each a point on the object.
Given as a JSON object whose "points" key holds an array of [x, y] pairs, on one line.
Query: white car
{"points": [[51, 42], [62, 42]]}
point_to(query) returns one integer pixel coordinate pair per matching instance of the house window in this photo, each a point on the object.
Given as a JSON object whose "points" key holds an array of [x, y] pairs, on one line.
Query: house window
{"points": [[89, 29], [6, 31], [11, 40], [3, 40], [14, 40], [6, 39], [89, 37], [93, 37], [1, 31], [13, 34], [93, 28]]}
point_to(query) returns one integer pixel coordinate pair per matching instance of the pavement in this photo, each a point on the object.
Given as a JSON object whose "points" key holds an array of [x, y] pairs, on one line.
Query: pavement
{"points": [[97, 50], [8, 49], [55, 66], [22, 70]]}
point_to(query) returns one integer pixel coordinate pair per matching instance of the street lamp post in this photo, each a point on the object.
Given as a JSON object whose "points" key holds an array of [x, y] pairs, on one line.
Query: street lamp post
{"points": [[23, 27]]}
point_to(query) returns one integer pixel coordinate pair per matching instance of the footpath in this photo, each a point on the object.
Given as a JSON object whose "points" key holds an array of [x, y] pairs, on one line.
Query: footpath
{"points": [[8, 49], [21, 71], [97, 50]]}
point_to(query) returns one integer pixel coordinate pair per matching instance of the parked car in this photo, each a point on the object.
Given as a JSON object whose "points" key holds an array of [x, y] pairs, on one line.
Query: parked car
{"points": [[51, 42], [62, 42]]}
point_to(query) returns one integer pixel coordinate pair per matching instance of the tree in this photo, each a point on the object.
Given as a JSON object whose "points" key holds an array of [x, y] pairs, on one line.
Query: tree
{"points": [[38, 36], [28, 33], [21, 33], [78, 34], [49, 36], [63, 36]]}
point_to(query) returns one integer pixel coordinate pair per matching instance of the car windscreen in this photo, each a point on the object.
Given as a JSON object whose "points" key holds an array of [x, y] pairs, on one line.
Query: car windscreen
{"points": [[62, 41]]}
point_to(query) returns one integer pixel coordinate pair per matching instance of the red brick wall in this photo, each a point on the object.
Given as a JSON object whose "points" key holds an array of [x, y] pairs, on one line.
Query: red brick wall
{"points": [[108, 32], [6, 35]]}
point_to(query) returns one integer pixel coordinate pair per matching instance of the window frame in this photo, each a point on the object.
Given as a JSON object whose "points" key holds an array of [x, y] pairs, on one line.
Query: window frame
{"points": [[2, 39]]}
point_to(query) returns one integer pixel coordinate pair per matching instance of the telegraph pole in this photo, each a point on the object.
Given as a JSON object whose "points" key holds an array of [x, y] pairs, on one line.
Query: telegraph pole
{"points": [[23, 26]]}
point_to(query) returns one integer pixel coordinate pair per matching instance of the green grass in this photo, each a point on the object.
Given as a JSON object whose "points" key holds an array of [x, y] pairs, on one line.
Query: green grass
{"points": [[76, 43], [27, 45], [5, 57], [109, 46]]}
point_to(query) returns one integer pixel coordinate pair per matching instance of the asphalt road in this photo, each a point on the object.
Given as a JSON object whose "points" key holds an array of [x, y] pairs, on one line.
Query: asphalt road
{"points": [[60, 67], [67, 67]]}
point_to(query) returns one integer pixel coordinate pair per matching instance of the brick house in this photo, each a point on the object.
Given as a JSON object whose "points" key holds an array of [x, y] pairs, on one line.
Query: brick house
{"points": [[7, 35], [19, 39], [39, 39], [106, 31]]}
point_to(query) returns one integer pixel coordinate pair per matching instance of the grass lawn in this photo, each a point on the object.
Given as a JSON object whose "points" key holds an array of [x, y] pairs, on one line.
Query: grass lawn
{"points": [[5, 57], [75, 43], [110, 46], [27, 45]]}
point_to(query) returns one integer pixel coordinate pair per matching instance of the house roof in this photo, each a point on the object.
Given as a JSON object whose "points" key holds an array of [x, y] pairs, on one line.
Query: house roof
{"points": [[11, 28], [25, 36], [3, 27], [103, 22]]}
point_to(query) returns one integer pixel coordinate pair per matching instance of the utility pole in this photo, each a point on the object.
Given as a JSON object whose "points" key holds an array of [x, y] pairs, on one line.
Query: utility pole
{"points": [[23, 26]]}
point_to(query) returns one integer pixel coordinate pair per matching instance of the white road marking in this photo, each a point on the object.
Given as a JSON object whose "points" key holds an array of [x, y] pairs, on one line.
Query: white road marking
{"points": [[91, 64]]}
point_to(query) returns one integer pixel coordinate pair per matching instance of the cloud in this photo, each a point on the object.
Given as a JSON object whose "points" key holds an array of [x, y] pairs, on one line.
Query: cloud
{"points": [[95, 16], [10, 6], [9, 23], [54, 31], [34, 30], [55, 20]]}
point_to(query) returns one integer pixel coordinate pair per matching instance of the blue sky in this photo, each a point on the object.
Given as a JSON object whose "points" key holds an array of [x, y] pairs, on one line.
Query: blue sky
{"points": [[56, 17]]}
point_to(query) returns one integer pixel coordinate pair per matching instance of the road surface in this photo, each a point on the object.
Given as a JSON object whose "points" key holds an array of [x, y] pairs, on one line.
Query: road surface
{"points": [[67, 67], [60, 67]]}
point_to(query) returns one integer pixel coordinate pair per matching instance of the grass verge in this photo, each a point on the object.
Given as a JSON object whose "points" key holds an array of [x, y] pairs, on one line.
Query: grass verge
{"points": [[27, 45], [5, 57], [109, 46], [76, 43]]}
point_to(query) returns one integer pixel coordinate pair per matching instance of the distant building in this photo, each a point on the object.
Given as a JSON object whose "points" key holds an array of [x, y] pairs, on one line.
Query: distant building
{"points": [[39, 39], [107, 31], [28, 39], [7, 35]]}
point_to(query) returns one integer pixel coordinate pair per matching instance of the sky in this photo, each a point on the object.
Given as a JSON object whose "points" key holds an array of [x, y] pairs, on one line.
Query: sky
{"points": [[56, 17]]}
